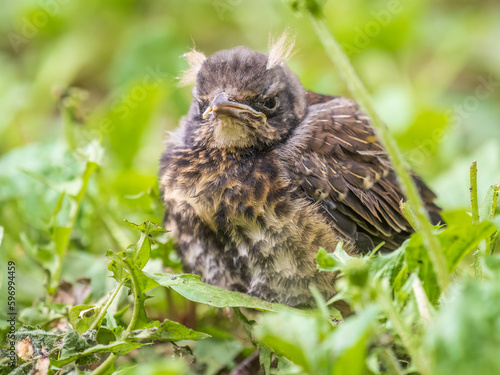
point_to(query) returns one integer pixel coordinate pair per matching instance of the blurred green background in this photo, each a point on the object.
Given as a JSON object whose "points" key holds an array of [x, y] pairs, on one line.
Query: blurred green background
{"points": [[78, 75]]}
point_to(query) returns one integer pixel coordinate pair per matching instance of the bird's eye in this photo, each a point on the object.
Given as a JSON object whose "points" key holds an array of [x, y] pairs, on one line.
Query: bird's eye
{"points": [[202, 105], [270, 102]]}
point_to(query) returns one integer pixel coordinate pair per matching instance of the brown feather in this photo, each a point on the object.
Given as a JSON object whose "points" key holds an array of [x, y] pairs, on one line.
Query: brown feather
{"points": [[339, 147]]}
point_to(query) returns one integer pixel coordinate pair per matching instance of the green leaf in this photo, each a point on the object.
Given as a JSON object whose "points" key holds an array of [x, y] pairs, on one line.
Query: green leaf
{"points": [[293, 336], [457, 239], [139, 280], [116, 268], [349, 342], [356, 272], [167, 331], [191, 287], [214, 355], [39, 337], [459, 242], [352, 362], [60, 237], [332, 262], [326, 261], [147, 227], [487, 207], [82, 317], [265, 358], [140, 252], [118, 348], [42, 314], [491, 266], [465, 336], [316, 346], [164, 366]]}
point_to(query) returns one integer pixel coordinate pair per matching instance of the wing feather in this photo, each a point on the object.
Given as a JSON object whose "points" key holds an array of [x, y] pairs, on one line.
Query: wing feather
{"points": [[334, 158]]}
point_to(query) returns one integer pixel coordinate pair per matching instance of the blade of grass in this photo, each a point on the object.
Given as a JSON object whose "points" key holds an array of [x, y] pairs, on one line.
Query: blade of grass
{"points": [[473, 193], [360, 94]]}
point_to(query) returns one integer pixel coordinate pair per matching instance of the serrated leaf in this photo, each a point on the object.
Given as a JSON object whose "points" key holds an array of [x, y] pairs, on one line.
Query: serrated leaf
{"points": [[147, 227], [140, 252], [38, 337], [116, 268], [143, 283], [119, 348]]}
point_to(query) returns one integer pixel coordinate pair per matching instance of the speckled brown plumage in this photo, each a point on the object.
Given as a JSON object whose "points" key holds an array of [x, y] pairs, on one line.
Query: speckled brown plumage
{"points": [[261, 173]]}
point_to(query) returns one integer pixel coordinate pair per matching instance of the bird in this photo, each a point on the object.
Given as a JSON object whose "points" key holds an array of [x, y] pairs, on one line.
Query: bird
{"points": [[261, 173]]}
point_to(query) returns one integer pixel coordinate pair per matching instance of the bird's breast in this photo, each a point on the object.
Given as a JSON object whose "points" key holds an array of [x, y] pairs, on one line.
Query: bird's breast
{"points": [[226, 189], [238, 221]]}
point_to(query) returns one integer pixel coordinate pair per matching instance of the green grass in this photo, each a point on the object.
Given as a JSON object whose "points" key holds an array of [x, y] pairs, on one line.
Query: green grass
{"points": [[85, 100]]}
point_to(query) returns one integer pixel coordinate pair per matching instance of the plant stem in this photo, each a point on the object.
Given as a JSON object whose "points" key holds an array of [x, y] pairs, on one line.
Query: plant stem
{"points": [[493, 239], [103, 367], [104, 309], [481, 249], [360, 94], [402, 331], [62, 246], [473, 193], [137, 301], [133, 321], [423, 304], [391, 362]]}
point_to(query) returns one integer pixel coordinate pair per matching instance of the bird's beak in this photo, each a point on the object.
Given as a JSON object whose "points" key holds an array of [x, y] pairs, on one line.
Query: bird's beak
{"points": [[221, 105]]}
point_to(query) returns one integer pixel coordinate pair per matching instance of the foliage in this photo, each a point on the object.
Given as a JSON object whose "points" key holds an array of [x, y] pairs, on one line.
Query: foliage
{"points": [[86, 89]]}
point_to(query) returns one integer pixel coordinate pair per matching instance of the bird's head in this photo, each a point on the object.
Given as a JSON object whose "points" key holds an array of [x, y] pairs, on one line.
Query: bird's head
{"points": [[244, 99]]}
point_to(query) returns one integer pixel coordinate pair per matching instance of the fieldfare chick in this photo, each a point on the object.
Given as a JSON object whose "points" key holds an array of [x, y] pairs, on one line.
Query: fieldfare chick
{"points": [[261, 173]]}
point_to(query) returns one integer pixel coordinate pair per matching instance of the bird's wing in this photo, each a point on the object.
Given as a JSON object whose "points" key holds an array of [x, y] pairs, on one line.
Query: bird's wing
{"points": [[334, 157]]}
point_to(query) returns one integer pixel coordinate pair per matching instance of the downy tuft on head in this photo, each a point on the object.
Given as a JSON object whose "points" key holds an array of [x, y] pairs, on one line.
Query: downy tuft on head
{"points": [[195, 59], [281, 49]]}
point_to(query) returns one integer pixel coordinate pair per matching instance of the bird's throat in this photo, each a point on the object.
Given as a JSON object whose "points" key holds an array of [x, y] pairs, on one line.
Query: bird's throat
{"points": [[230, 132]]}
